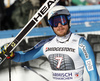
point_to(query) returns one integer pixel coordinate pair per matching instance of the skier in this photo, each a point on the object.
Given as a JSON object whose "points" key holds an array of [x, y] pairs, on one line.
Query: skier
{"points": [[67, 52]]}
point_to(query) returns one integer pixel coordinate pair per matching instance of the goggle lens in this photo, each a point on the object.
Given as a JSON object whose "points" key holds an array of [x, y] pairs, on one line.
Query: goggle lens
{"points": [[54, 21]]}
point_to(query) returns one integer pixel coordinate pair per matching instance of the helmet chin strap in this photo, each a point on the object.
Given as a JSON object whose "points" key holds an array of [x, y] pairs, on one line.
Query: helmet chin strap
{"points": [[68, 31], [68, 28]]}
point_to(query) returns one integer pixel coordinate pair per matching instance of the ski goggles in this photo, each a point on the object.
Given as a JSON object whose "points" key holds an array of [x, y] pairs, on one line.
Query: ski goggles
{"points": [[54, 21]]}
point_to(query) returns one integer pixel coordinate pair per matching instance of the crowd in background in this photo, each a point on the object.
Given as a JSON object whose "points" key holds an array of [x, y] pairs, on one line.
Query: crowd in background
{"points": [[14, 14]]}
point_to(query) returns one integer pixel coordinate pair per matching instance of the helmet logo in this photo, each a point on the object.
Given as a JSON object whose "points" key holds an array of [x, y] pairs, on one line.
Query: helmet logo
{"points": [[69, 17], [56, 12]]}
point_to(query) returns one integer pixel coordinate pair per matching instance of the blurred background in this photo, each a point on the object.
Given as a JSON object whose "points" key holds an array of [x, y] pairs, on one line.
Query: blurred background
{"points": [[14, 14]]}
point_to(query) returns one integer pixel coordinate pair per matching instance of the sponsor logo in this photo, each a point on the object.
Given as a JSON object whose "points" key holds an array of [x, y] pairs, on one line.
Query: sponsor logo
{"points": [[76, 74], [63, 76], [89, 65], [83, 47], [59, 49], [44, 9], [13, 44], [69, 17], [55, 12]]}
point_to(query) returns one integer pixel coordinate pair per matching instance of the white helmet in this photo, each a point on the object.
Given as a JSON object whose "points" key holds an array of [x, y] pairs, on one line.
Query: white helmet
{"points": [[59, 10]]}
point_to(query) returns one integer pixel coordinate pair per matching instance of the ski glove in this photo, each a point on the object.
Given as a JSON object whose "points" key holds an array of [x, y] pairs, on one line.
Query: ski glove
{"points": [[3, 51]]}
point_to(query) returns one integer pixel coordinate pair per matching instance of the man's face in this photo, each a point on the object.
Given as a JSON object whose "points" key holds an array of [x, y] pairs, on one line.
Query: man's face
{"points": [[59, 24], [61, 30]]}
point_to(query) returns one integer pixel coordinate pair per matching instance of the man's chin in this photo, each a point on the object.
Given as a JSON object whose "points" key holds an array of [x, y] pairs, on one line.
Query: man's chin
{"points": [[60, 35]]}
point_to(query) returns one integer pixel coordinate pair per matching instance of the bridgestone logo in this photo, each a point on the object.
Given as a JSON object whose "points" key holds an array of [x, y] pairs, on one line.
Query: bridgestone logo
{"points": [[60, 49]]}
